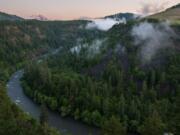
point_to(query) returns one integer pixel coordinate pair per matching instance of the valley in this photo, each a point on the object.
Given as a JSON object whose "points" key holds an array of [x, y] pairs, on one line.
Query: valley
{"points": [[102, 76]]}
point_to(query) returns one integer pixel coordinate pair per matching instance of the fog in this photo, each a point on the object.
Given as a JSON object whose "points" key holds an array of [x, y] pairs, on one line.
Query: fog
{"points": [[104, 24], [151, 38], [92, 48]]}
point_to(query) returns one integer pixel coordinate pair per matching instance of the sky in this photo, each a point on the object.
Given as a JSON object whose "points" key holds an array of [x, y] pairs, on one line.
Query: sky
{"points": [[75, 9]]}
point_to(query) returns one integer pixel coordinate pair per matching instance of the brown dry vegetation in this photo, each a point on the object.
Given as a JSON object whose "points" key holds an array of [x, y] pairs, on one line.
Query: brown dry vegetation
{"points": [[173, 15]]}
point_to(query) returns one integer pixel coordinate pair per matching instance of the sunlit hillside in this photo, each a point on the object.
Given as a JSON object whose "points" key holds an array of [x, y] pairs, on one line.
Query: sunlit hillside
{"points": [[171, 14]]}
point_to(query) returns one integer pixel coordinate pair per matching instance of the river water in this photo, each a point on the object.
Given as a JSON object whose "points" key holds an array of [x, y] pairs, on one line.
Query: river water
{"points": [[64, 125]]}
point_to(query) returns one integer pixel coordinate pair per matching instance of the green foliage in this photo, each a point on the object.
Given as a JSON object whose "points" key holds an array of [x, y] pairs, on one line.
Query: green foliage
{"points": [[44, 115], [91, 89], [96, 118], [152, 125], [20, 42], [14, 122], [113, 127]]}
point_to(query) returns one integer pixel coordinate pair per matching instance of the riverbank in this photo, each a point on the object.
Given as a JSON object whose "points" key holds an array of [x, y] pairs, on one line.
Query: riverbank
{"points": [[64, 125]]}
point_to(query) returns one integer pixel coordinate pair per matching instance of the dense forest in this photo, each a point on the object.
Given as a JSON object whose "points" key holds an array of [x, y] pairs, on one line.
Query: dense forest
{"points": [[103, 82], [20, 42], [26, 40], [124, 80], [15, 122]]}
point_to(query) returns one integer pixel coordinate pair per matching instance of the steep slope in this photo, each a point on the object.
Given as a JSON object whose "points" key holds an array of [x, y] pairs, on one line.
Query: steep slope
{"points": [[20, 42], [172, 14], [8, 17], [25, 40], [15, 122]]}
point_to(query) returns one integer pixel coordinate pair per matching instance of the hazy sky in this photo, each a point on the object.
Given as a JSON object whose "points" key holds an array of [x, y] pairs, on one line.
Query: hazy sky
{"points": [[73, 9]]}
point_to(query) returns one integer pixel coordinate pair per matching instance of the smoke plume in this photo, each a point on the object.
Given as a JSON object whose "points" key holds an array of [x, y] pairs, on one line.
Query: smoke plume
{"points": [[149, 8], [151, 38]]}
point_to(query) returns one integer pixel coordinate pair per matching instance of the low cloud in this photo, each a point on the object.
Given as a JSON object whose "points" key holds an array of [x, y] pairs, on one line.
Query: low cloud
{"points": [[92, 48], [151, 38], [95, 47], [104, 24], [79, 45], [120, 49], [38, 17]]}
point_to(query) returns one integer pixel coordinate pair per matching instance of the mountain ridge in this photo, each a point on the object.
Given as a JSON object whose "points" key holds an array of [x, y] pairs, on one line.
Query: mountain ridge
{"points": [[127, 16], [9, 17], [171, 14]]}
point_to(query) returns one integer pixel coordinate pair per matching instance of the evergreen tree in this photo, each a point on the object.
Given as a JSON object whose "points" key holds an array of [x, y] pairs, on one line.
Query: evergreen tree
{"points": [[43, 115], [176, 121], [113, 127], [152, 125]]}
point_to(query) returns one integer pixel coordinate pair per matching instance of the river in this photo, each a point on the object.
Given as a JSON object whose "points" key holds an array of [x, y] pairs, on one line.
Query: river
{"points": [[64, 125]]}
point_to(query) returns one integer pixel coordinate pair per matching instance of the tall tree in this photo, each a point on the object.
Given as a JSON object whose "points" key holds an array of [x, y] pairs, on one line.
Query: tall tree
{"points": [[113, 127], [152, 125], [43, 115]]}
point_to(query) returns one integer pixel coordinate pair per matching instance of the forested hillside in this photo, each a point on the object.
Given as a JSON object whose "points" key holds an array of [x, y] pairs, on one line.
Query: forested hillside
{"points": [[127, 16], [25, 40], [125, 80], [170, 14], [8, 17], [20, 42], [15, 122], [118, 82]]}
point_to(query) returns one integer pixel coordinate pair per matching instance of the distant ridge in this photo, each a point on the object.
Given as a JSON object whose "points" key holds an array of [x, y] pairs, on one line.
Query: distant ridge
{"points": [[127, 16], [9, 17], [176, 6], [171, 14]]}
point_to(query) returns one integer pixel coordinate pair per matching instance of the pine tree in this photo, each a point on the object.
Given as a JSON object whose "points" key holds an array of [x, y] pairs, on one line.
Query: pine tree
{"points": [[113, 127], [153, 78], [43, 115], [176, 122], [121, 106], [144, 94], [152, 125]]}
